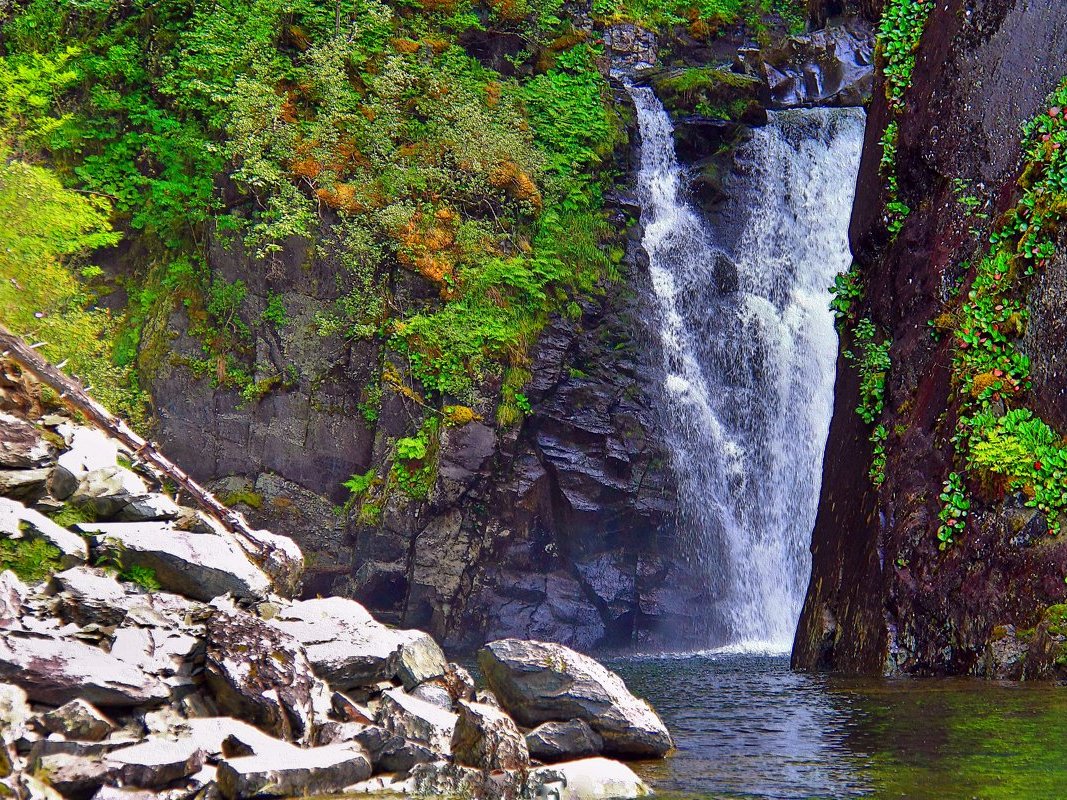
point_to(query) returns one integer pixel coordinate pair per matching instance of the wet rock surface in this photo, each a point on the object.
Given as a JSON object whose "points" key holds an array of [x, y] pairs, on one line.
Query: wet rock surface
{"points": [[539, 682], [883, 597]]}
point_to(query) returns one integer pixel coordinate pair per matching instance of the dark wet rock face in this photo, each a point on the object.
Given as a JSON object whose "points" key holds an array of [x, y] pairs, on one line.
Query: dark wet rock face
{"points": [[883, 597]]}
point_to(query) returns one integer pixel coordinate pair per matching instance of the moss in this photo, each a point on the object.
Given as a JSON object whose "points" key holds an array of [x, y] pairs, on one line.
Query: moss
{"points": [[32, 560], [247, 496], [711, 92]]}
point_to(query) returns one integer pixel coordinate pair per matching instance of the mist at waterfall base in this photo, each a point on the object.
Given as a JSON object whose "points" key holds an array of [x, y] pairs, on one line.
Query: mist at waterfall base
{"points": [[748, 348]]}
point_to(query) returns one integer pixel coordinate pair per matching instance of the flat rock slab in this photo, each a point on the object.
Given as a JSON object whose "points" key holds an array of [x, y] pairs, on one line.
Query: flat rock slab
{"points": [[202, 566], [21, 445], [541, 682], [56, 671], [294, 772]]}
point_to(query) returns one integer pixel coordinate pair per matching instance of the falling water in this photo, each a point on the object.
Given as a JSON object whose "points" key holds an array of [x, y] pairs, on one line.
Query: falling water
{"points": [[749, 350]]}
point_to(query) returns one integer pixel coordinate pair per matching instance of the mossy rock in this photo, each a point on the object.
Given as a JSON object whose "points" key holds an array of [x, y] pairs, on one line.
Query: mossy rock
{"points": [[714, 93]]}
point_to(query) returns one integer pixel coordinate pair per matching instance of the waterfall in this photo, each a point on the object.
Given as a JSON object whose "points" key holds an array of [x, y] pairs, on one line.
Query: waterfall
{"points": [[749, 352]]}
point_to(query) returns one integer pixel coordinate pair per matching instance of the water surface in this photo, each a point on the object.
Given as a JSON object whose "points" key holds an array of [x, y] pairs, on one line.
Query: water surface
{"points": [[747, 727]]}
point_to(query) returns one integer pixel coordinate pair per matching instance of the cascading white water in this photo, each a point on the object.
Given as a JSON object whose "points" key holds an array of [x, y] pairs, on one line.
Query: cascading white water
{"points": [[749, 351]]}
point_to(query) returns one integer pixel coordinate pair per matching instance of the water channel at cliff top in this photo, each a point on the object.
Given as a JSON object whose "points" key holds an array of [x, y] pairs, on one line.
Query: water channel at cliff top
{"points": [[748, 727]]}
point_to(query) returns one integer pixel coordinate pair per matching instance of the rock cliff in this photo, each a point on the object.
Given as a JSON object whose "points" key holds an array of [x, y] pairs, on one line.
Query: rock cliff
{"points": [[929, 553]]}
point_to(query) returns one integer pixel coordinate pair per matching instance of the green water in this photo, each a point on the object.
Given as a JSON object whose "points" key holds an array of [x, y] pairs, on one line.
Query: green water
{"points": [[747, 727]]}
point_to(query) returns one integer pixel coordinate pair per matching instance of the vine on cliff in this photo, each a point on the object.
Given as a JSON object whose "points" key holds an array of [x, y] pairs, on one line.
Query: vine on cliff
{"points": [[996, 435]]}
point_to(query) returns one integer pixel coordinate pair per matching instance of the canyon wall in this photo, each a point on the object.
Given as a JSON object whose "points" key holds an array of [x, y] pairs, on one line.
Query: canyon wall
{"points": [[885, 597]]}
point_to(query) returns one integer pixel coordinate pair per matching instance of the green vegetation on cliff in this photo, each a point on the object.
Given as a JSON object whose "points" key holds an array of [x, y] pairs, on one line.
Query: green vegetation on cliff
{"points": [[998, 438], [361, 127]]}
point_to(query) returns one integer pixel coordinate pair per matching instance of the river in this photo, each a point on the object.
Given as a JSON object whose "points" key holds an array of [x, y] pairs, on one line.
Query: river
{"points": [[747, 727]]}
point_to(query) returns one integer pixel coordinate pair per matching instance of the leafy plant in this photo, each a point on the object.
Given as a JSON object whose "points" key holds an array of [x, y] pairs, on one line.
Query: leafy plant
{"points": [[954, 509], [145, 577]]}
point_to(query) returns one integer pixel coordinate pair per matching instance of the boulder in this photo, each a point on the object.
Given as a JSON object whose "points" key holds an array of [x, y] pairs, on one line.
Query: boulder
{"points": [[588, 779], [412, 718], [294, 773], [563, 741], [29, 485], [21, 444], [350, 649], [78, 720], [17, 521], [56, 671], [485, 737], [157, 761], [149, 508], [90, 449], [541, 682], [260, 673], [88, 595], [198, 565], [75, 777], [105, 492], [446, 779], [159, 650]]}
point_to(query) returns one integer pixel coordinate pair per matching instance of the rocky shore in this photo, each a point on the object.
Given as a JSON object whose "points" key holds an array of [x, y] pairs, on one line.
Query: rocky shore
{"points": [[150, 652]]}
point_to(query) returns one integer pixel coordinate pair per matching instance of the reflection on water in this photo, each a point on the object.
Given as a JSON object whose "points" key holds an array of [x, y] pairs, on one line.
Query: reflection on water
{"points": [[747, 727]]}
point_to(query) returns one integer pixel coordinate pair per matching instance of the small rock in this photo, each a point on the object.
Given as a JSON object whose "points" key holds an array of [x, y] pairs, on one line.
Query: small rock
{"points": [[90, 595], [75, 777], [90, 449], [432, 693], [411, 718], [349, 710], [563, 741], [13, 595], [156, 762], [298, 773], [541, 682], [78, 720], [588, 779], [487, 738], [28, 485]]}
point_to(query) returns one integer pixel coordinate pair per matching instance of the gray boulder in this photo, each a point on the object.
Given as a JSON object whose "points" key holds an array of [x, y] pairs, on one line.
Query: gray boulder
{"points": [[149, 508], [198, 565], [293, 772], [542, 682], [563, 741], [21, 444], [78, 720], [412, 718], [56, 671], [588, 779], [28, 485], [89, 449], [105, 492], [75, 777], [157, 762], [261, 674], [87, 595], [432, 693], [350, 649], [487, 738], [17, 521]]}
